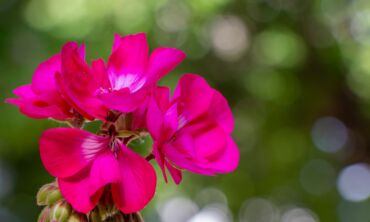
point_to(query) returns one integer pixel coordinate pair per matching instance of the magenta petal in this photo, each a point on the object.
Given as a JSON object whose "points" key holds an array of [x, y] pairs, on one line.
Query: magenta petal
{"points": [[176, 156], [138, 182], [77, 83], [43, 79], [175, 173], [46, 105], [154, 119], [39, 109], [66, 151], [228, 161], [220, 111], [194, 96], [128, 60], [123, 100], [105, 170], [116, 41], [83, 190], [76, 192], [163, 61], [24, 91], [160, 159], [209, 139]]}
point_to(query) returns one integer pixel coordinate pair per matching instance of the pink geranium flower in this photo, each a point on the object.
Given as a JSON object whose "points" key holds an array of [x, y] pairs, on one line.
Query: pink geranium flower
{"points": [[126, 81], [41, 98], [132, 73], [85, 163], [78, 82], [192, 130]]}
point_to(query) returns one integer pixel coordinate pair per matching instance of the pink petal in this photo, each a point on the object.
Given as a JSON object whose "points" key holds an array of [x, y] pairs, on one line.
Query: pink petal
{"points": [[176, 156], [128, 61], [116, 42], [209, 138], [161, 94], [47, 105], [170, 122], [77, 83], [193, 96], [100, 73], [154, 119], [105, 170], [76, 192], [138, 182], [66, 151], [123, 100], [163, 61], [228, 161], [24, 91], [40, 109], [158, 155], [43, 79], [175, 173], [220, 111], [84, 189]]}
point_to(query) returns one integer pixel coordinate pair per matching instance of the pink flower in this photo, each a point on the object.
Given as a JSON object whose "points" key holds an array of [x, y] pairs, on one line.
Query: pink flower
{"points": [[192, 130], [79, 83], [85, 163], [132, 73], [41, 98]]}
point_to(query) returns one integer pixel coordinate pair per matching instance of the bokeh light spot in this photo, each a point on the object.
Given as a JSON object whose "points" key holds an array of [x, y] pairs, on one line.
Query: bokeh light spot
{"points": [[354, 182], [329, 134]]}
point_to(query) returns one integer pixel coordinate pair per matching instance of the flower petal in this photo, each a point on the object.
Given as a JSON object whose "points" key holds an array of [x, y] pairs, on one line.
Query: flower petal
{"points": [[128, 61], [154, 119], [163, 61], [84, 189], [43, 79], [194, 95], [138, 182], [24, 91], [175, 173], [66, 151], [76, 192], [220, 111], [46, 105], [228, 160], [123, 100], [77, 83], [105, 170]]}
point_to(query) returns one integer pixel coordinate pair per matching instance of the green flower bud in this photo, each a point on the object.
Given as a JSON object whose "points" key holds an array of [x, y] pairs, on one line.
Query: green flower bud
{"points": [[117, 218], [134, 217], [107, 211], [44, 215], [60, 211], [76, 217], [94, 216], [53, 197], [45, 190]]}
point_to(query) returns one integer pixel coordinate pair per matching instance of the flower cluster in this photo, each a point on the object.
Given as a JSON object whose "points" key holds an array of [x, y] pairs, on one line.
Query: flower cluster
{"points": [[191, 129]]}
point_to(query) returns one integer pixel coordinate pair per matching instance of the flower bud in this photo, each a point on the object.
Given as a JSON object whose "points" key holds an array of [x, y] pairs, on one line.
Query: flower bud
{"points": [[60, 211], [117, 218], [76, 217], [134, 217], [107, 211], [44, 215], [53, 197], [94, 216], [44, 193]]}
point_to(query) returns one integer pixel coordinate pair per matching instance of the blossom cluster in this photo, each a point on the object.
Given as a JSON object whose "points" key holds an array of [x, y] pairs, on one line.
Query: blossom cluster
{"points": [[191, 129]]}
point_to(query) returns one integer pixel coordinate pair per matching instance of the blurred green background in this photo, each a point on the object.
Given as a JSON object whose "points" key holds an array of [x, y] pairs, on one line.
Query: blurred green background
{"points": [[296, 73]]}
